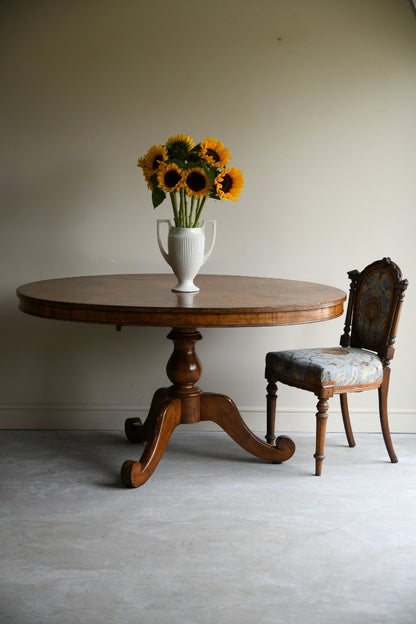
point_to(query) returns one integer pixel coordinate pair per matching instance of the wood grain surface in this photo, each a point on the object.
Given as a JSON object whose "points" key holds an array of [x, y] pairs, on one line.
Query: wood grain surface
{"points": [[223, 301]]}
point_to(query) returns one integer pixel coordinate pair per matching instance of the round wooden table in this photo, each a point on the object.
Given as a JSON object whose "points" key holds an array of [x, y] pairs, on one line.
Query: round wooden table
{"points": [[223, 301]]}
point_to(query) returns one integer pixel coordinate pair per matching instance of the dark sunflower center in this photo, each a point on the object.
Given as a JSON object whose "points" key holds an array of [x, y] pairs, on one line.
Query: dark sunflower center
{"points": [[227, 183], [213, 154], [155, 164], [196, 181], [172, 178]]}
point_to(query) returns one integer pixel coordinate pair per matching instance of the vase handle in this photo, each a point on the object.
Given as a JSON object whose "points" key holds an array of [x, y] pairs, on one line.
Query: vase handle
{"points": [[162, 250], [213, 233]]}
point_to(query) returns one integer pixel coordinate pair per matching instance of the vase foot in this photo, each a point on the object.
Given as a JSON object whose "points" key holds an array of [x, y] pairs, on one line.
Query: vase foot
{"points": [[185, 287]]}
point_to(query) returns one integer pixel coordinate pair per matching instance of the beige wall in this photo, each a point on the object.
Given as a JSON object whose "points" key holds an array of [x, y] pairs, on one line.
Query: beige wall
{"points": [[315, 100]]}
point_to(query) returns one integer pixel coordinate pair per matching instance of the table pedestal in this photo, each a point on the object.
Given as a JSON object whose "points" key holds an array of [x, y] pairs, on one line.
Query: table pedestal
{"points": [[184, 402]]}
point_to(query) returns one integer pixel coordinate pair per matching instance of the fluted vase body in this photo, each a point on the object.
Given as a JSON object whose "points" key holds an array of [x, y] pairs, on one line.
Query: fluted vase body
{"points": [[186, 252]]}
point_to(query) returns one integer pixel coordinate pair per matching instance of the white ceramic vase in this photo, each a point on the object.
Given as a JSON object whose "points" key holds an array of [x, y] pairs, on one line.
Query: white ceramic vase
{"points": [[186, 252]]}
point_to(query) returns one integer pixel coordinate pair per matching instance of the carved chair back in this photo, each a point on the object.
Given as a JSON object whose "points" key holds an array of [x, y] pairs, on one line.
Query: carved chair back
{"points": [[374, 304]]}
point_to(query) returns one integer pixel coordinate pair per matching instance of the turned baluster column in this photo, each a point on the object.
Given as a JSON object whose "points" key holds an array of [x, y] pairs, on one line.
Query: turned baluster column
{"points": [[184, 369]]}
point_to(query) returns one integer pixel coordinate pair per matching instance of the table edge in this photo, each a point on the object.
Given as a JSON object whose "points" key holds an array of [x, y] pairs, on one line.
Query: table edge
{"points": [[183, 316]]}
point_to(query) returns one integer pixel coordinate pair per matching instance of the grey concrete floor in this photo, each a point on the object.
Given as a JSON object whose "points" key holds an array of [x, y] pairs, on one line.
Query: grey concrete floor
{"points": [[215, 536]]}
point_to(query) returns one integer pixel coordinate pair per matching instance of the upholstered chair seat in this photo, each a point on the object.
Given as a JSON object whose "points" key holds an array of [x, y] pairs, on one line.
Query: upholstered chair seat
{"points": [[361, 362], [333, 366]]}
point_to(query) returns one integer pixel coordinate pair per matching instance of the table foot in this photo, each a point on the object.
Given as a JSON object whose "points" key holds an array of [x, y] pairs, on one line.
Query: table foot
{"points": [[222, 410], [137, 431], [165, 418]]}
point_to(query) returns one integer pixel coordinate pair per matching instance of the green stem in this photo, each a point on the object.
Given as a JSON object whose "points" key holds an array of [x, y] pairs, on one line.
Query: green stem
{"points": [[183, 208], [200, 206], [180, 208], [175, 207], [191, 213]]}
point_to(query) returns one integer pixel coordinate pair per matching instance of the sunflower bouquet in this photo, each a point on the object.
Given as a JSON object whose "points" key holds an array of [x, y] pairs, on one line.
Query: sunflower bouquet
{"points": [[190, 173]]}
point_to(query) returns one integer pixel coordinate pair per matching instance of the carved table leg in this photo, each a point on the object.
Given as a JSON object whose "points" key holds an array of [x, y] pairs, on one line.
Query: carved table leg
{"points": [[135, 473], [135, 430], [222, 410]]}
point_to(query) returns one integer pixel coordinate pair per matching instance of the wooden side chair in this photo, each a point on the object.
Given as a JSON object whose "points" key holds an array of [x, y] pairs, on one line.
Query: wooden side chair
{"points": [[362, 362]]}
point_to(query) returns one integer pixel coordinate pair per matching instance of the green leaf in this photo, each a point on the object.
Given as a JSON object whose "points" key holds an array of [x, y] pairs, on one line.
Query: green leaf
{"points": [[176, 161], [211, 174], [194, 163], [178, 151], [158, 195]]}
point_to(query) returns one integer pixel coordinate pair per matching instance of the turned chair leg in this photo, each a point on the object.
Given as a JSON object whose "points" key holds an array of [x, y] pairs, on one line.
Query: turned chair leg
{"points": [[346, 419], [383, 392], [321, 421], [271, 411]]}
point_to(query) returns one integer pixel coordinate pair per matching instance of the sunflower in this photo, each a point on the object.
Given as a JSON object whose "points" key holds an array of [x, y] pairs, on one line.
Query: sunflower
{"points": [[151, 161], [169, 177], [229, 184], [214, 152], [186, 140], [141, 162], [146, 172], [155, 156], [196, 183]]}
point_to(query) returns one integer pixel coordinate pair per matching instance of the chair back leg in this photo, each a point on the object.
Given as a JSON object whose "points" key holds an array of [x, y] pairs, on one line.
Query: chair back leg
{"points": [[346, 419], [271, 411], [383, 392], [321, 421]]}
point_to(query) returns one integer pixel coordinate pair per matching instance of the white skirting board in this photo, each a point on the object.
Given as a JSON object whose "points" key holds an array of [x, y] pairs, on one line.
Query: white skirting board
{"points": [[111, 417]]}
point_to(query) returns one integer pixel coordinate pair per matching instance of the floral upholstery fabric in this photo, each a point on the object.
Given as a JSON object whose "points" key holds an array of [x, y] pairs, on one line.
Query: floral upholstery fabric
{"points": [[338, 366], [374, 301]]}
